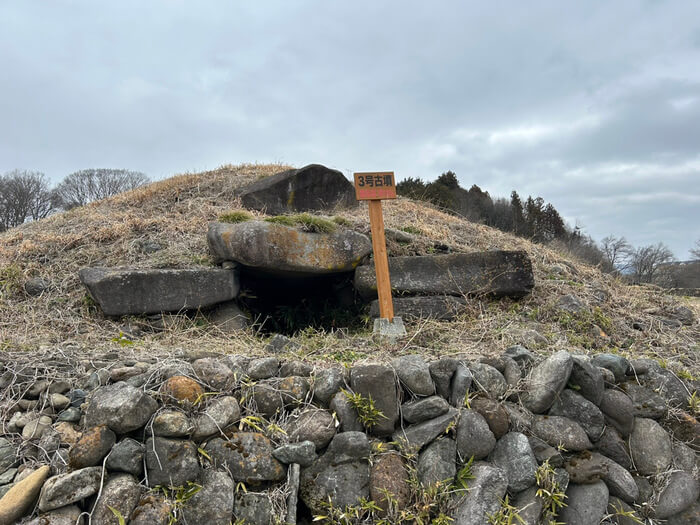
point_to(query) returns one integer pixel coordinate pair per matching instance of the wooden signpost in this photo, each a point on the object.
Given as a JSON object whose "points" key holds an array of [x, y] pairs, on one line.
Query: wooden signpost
{"points": [[374, 187]]}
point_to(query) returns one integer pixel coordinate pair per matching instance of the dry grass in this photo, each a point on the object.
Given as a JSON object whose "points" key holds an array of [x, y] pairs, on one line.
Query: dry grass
{"points": [[175, 213]]}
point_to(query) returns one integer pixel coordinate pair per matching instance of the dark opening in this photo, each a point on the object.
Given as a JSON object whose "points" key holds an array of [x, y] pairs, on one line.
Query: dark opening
{"points": [[289, 304]]}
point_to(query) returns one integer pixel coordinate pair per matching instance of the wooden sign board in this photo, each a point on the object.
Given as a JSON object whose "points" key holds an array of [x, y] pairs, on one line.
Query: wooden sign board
{"points": [[374, 186]]}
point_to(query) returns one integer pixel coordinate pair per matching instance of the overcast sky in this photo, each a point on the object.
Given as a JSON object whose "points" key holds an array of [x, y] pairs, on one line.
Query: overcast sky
{"points": [[595, 106]]}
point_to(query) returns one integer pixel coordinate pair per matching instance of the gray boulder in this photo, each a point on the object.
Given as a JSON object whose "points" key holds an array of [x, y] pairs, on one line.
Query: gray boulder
{"points": [[574, 406], [121, 492], [286, 250], [127, 456], [571, 304], [618, 410], [171, 423], [617, 364], [68, 515], [424, 409], [341, 474], [587, 379], [311, 188], [586, 504], [315, 425], [437, 463], [546, 381], [498, 273], [65, 489], [442, 372], [128, 291], [414, 374], [8, 454], [560, 431], [213, 503], [346, 413], [441, 307], [514, 455], [379, 383], [647, 403], [121, 407], [666, 384], [489, 380], [678, 495], [252, 508], [248, 456], [611, 445], [171, 462], [486, 490], [221, 413], [303, 453], [229, 318], [327, 382], [474, 437], [418, 435], [650, 447], [263, 368], [214, 373], [619, 481]]}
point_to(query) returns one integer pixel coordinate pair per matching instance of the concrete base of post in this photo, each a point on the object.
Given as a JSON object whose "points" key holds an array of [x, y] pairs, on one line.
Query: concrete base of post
{"points": [[393, 331]]}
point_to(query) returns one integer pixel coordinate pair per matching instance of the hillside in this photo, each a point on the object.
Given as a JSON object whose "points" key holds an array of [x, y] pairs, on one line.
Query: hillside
{"points": [[173, 215], [169, 418]]}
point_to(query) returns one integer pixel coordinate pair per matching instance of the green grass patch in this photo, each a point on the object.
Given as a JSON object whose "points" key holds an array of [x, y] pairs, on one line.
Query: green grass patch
{"points": [[411, 229], [306, 221], [234, 217], [10, 280]]}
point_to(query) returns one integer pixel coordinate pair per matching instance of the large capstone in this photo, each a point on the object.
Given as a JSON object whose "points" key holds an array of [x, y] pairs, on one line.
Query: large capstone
{"points": [[284, 250], [498, 273], [313, 187], [126, 291]]}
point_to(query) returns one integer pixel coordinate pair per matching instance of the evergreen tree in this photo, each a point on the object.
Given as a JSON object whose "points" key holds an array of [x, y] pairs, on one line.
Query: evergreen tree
{"points": [[517, 212]]}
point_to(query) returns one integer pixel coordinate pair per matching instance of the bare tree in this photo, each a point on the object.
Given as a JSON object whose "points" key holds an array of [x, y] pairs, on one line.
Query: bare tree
{"points": [[695, 251], [85, 186], [24, 195], [646, 260], [617, 251]]}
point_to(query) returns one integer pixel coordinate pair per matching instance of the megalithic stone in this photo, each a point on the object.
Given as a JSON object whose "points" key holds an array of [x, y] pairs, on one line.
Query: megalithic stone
{"points": [[496, 273]]}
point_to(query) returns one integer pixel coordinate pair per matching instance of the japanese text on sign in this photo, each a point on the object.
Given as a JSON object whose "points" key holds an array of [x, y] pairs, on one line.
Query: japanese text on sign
{"points": [[375, 186]]}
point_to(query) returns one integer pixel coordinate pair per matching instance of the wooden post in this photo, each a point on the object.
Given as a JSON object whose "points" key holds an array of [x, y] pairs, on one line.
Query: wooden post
{"points": [[381, 261], [374, 187]]}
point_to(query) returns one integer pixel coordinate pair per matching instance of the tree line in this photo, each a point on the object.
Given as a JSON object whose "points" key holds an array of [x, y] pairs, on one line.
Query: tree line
{"points": [[540, 222], [28, 195]]}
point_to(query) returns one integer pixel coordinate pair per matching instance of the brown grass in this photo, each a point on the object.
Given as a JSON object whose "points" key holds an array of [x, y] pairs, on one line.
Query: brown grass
{"points": [[175, 213]]}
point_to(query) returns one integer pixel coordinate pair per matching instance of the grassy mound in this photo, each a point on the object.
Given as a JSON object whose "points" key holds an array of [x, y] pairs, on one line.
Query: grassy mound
{"points": [[164, 225]]}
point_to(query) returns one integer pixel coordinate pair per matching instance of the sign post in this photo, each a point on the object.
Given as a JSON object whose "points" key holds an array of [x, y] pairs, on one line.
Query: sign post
{"points": [[374, 187]]}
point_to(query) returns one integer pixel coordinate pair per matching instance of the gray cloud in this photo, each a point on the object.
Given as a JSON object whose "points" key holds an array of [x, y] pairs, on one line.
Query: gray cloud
{"points": [[594, 106]]}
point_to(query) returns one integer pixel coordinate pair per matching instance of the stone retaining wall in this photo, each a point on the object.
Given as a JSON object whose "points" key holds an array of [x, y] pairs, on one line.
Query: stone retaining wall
{"points": [[264, 440]]}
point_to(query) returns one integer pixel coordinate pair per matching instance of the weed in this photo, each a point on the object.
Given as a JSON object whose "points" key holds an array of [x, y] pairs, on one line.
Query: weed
{"points": [[549, 490], [368, 414], [118, 515], [306, 221], [201, 260], [122, 340], [464, 475], [506, 515], [179, 496], [412, 230], [685, 374], [10, 280], [694, 404], [341, 221], [630, 515], [234, 217]]}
